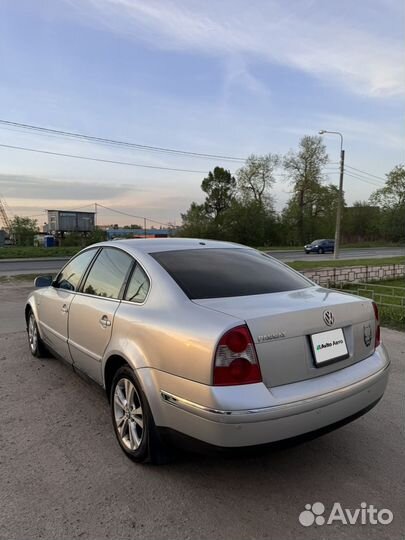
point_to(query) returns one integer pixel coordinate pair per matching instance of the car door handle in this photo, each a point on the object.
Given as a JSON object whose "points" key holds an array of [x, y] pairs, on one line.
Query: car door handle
{"points": [[64, 308], [105, 321]]}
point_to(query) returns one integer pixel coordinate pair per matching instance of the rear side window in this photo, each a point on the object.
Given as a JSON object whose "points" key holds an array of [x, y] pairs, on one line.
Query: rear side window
{"points": [[138, 286], [70, 276], [219, 273], [108, 273]]}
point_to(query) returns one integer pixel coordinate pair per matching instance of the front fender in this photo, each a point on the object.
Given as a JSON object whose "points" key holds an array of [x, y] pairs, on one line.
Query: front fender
{"points": [[31, 304]]}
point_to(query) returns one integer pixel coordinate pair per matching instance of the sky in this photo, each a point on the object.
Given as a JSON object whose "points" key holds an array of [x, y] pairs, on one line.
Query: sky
{"points": [[227, 77]]}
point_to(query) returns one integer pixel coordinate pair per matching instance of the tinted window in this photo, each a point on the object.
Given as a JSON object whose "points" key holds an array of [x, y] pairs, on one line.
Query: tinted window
{"points": [[108, 273], [217, 273], [70, 276], [138, 286]]}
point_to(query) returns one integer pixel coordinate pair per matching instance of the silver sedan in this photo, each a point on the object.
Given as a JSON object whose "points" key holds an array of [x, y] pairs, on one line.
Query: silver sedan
{"points": [[208, 342]]}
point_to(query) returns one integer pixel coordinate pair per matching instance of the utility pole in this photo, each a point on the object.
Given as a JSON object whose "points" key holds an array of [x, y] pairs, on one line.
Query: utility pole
{"points": [[144, 226], [340, 194], [339, 205]]}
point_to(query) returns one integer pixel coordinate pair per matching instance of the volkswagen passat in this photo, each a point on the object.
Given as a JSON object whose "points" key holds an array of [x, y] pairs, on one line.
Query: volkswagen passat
{"points": [[211, 341]]}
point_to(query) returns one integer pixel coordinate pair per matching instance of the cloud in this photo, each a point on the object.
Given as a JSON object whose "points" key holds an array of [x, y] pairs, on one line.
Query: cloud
{"points": [[345, 46], [31, 187]]}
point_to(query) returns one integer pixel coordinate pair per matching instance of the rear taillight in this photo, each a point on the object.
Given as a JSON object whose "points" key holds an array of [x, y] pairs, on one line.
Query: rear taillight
{"points": [[377, 326], [236, 359]]}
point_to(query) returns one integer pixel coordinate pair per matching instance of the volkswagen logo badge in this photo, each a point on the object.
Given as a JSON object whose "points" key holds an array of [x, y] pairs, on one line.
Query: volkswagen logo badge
{"points": [[328, 318]]}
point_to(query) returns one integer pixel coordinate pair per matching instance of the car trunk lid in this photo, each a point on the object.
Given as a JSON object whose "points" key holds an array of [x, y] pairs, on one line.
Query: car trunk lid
{"points": [[281, 325]]}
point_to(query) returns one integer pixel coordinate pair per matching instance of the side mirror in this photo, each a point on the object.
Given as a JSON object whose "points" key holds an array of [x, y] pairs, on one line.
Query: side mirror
{"points": [[43, 281]]}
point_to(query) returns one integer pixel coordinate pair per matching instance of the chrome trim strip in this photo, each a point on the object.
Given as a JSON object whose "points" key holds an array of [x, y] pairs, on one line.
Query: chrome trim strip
{"points": [[183, 403]]}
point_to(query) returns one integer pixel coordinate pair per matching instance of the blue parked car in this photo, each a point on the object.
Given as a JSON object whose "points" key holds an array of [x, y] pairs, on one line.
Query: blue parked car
{"points": [[320, 246]]}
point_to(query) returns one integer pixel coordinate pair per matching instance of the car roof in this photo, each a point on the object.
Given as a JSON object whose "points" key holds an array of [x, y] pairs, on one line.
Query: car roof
{"points": [[154, 245]]}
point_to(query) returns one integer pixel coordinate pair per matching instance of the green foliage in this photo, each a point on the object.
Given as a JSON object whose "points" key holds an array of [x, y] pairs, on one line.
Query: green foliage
{"points": [[196, 222], [219, 186], [242, 211], [256, 177], [98, 235], [25, 252], [23, 230], [361, 222], [309, 201], [391, 199], [392, 195], [81, 240]]}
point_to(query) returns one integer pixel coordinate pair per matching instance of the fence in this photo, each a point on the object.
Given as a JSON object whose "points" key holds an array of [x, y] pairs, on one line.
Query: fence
{"points": [[361, 280], [355, 274]]}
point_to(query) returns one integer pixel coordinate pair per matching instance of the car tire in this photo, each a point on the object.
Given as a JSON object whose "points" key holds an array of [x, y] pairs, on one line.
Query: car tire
{"points": [[320, 251], [133, 422], [37, 346]]}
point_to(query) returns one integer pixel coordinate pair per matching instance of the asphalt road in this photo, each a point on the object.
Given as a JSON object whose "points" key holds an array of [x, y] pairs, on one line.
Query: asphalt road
{"points": [[63, 475], [353, 253], [41, 266]]}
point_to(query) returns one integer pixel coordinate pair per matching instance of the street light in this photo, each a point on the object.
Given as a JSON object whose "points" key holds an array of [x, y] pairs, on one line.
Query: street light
{"points": [[340, 194]]}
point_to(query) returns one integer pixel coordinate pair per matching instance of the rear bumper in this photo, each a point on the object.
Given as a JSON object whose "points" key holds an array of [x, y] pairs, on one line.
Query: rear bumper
{"points": [[185, 442], [221, 418]]}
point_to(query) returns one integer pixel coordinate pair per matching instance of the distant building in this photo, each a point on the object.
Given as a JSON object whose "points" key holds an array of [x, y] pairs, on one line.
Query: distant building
{"points": [[63, 221]]}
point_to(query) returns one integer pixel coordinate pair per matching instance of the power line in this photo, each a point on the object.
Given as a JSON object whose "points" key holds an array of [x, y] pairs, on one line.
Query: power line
{"points": [[115, 142], [362, 179], [132, 215], [367, 173], [89, 158]]}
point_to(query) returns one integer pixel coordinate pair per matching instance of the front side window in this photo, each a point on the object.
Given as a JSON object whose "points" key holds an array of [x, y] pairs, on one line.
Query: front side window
{"points": [[108, 273], [219, 273], [138, 286], [71, 275]]}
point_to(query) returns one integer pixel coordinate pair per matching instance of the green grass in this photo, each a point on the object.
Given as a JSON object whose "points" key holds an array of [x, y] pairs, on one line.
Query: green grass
{"points": [[314, 264], [389, 296], [31, 252]]}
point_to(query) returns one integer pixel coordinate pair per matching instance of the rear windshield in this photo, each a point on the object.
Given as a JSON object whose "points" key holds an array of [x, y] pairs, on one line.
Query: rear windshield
{"points": [[218, 273]]}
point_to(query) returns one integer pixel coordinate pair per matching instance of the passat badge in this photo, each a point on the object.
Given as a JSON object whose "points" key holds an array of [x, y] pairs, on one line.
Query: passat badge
{"points": [[270, 337], [367, 335]]}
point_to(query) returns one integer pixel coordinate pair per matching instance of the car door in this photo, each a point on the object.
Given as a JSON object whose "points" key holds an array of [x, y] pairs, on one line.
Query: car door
{"points": [[91, 314], [54, 303]]}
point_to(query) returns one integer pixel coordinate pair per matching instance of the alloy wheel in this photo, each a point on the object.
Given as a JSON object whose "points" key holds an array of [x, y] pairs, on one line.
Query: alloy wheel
{"points": [[32, 333], [128, 414]]}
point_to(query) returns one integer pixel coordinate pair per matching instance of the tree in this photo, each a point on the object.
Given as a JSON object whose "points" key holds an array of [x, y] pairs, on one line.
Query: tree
{"points": [[305, 168], [391, 199], [219, 186], [196, 222], [132, 226], [249, 222], [392, 195], [257, 176], [361, 222], [23, 230]]}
